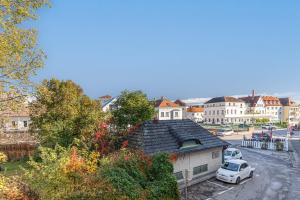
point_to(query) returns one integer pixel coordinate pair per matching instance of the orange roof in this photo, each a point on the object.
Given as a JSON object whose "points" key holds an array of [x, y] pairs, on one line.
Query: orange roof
{"points": [[195, 109], [271, 101], [163, 103]]}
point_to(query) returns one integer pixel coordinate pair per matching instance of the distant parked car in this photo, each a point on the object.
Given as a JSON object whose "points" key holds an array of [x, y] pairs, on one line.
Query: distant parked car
{"points": [[261, 136], [234, 171], [232, 153], [224, 132], [268, 127]]}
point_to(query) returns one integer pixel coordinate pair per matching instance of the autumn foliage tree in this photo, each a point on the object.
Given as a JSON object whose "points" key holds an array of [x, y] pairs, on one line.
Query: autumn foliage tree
{"points": [[20, 57], [62, 114]]}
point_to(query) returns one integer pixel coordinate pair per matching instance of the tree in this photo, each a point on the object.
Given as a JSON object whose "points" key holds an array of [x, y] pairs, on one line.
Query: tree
{"points": [[19, 55], [61, 114], [132, 108]]}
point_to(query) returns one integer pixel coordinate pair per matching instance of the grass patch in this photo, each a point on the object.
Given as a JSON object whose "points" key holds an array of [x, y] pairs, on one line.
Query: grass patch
{"points": [[14, 167]]}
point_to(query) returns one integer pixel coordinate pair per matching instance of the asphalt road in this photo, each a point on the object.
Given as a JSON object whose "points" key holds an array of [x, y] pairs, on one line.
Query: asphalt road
{"points": [[274, 179]]}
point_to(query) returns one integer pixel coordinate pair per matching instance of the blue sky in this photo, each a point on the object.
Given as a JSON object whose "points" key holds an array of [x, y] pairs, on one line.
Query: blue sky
{"points": [[178, 49]]}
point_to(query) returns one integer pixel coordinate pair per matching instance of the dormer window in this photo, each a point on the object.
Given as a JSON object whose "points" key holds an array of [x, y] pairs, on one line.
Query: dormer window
{"points": [[190, 143]]}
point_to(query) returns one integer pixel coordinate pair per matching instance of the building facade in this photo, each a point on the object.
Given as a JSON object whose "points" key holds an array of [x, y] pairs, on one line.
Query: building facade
{"points": [[290, 111], [225, 110], [16, 121], [167, 110], [195, 113]]}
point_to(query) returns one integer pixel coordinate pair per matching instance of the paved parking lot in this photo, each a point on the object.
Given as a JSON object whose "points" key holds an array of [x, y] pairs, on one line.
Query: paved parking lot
{"points": [[274, 179]]}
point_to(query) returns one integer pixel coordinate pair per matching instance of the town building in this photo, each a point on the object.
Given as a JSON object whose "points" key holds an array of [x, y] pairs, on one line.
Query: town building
{"points": [[16, 121], [183, 106], [195, 113], [108, 104], [290, 111], [273, 108], [167, 110], [199, 154], [225, 110]]}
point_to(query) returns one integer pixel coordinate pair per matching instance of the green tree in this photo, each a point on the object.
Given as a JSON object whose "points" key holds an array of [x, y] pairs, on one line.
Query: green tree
{"points": [[132, 108], [61, 114], [20, 56]]}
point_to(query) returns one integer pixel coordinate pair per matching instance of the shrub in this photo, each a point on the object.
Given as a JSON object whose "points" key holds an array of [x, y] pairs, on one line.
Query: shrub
{"points": [[3, 157], [279, 146]]}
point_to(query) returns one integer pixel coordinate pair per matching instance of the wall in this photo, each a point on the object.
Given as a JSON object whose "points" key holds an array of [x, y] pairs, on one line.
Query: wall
{"points": [[171, 112], [18, 151], [19, 124], [190, 160]]}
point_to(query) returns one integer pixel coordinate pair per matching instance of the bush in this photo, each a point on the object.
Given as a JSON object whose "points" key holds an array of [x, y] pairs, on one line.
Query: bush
{"points": [[279, 146], [70, 174]]}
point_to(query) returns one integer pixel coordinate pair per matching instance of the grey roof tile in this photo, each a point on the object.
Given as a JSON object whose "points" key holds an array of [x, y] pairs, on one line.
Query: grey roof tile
{"points": [[168, 135]]}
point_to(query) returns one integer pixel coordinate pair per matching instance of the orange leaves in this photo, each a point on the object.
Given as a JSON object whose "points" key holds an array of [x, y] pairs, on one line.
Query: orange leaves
{"points": [[173, 157]]}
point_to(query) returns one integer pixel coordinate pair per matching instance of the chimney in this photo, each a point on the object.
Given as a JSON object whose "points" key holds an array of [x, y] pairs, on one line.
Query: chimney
{"points": [[253, 93]]}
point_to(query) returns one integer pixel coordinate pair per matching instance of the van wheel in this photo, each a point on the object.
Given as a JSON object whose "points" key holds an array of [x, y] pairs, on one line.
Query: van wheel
{"points": [[251, 174], [238, 180]]}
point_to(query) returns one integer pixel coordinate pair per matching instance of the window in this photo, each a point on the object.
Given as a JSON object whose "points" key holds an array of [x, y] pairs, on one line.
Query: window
{"points": [[215, 154], [244, 166], [162, 114], [190, 143], [176, 114], [13, 123], [25, 123], [200, 169], [241, 112], [178, 175], [167, 114], [217, 112]]}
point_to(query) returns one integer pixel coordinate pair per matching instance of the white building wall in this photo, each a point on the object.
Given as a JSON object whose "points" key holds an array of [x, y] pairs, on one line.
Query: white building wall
{"points": [[190, 160], [225, 112], [169, 113], [17, 124], [195, 116]]}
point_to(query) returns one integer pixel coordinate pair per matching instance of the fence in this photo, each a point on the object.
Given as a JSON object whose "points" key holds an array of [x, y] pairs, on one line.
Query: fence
{"points": [[279, 144], [18, 151]]}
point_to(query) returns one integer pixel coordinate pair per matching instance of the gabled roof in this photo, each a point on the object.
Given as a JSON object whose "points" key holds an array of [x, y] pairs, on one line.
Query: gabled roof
{"points": [[251, 100], [180, 103], [168, 136], [224, 99], [195, 109], [287, 101], [271, 101], [109, 101], [163, 103]]}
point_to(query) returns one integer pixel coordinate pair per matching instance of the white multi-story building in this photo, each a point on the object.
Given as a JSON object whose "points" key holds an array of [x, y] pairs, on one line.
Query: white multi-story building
{"points": [[167, 110], [225, 110], [195, 113]]}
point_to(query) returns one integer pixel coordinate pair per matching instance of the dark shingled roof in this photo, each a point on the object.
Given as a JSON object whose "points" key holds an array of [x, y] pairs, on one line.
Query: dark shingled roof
{"points": [[287, 101], [252, 100], [168, 135], [224, 99]]}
